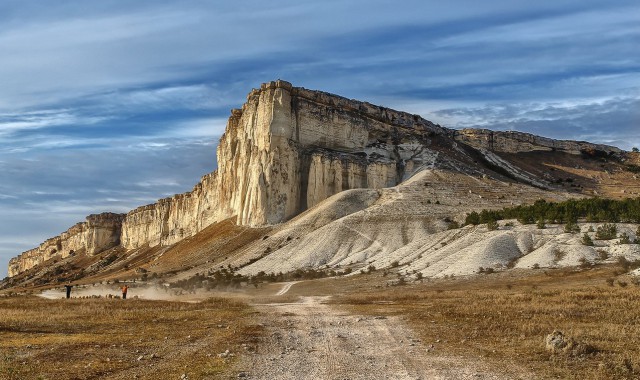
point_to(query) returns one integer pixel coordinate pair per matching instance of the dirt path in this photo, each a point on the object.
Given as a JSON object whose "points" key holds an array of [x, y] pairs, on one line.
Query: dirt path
{"points": [[286, 288], [313, 340]]}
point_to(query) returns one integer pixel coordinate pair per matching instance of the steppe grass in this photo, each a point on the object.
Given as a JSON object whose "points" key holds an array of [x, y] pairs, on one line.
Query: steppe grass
{"points": [[505, 320], [96, 338]]}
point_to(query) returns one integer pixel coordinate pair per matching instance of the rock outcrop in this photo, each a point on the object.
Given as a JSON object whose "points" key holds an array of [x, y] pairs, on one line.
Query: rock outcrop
{"points": [[285, 151], [98, 233], [518, 142]]}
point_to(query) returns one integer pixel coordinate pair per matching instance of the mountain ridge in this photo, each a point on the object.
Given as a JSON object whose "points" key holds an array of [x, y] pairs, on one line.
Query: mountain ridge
{"points": [[288, 149]]}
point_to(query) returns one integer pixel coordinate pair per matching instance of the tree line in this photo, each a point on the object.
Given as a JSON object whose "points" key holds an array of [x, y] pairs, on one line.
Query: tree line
{"points": [[594, 210]]}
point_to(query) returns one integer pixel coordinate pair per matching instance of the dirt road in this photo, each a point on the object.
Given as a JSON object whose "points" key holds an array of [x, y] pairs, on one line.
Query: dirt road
{"points": [[310, 339], [287, 286]]}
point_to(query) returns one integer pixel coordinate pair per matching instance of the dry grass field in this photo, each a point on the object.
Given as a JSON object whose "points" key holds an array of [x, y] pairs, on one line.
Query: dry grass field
{"points": [[114, 339], [500, 319], [504, 318]]}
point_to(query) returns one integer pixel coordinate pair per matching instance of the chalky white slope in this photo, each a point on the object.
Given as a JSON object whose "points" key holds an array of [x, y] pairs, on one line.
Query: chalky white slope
{"points": [[403, 227]]}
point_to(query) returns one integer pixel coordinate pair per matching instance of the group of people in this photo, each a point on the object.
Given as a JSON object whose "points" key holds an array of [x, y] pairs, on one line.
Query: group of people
{"points": [[124, 289]]}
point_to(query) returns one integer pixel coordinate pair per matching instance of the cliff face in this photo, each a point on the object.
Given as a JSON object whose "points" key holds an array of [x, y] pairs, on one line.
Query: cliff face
{"points": [[285, 151], [517, 142], [98, 233]]}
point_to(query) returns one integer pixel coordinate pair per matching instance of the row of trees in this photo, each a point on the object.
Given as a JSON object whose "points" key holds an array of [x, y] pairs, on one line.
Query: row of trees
{"points": [[228, 278], [593, 210]]}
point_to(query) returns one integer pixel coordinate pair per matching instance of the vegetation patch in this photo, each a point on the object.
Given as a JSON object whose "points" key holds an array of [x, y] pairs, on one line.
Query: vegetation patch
{"points": [[592, 210], [607, 231], [226, 278], [632, 168]]}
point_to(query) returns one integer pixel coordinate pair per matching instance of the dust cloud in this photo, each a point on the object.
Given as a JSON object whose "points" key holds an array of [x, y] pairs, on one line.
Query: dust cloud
{"points": [[135, 291]]}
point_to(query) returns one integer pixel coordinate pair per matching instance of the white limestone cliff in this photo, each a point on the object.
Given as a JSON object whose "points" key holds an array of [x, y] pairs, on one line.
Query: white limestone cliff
{"points": [[98, 233], [285, 151]]}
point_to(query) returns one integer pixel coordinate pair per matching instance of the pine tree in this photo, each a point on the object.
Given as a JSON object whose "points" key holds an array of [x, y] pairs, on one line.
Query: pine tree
{"points": [[571, 227], [586, 239]]}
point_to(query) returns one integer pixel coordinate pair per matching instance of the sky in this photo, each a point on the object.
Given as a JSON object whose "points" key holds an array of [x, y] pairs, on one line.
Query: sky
{"points": [[112, 104]]}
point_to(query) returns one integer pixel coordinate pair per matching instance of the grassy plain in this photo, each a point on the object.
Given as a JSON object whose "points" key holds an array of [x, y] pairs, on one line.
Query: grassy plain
{"points": [[504, 319], [113, 339]]}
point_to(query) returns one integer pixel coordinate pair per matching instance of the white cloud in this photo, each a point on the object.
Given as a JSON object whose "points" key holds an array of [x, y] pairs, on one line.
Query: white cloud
{"points": [[158, 182], [187, 97], [615, 22], [13, 122], [199, 127]]}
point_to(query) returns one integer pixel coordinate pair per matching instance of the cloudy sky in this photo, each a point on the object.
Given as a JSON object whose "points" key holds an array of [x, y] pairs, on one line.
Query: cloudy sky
{"points": [[107, 105]]}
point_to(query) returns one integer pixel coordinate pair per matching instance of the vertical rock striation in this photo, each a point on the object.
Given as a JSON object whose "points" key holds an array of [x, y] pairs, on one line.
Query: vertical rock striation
{"points": [[286, 150], [98, 233]]}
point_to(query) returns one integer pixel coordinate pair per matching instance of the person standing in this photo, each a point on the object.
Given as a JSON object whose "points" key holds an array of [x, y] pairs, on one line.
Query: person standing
{"points": [[124, 291], [68, 287]]}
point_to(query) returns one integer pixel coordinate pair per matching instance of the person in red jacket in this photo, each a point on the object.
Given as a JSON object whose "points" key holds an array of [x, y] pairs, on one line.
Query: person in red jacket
{"points": [[124, 292]]}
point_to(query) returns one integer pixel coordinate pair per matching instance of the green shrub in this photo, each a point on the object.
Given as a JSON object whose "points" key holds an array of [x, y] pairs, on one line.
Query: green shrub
{"points": [[586, 239], [472, 218], [607, 231], [571, 227], [602, 254], [541, 224], [558, 255], [624, 238], [453, 225]]}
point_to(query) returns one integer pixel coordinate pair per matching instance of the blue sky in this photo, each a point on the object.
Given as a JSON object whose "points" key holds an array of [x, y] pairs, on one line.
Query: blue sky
{"points": [[108, 105]]}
